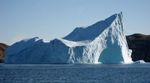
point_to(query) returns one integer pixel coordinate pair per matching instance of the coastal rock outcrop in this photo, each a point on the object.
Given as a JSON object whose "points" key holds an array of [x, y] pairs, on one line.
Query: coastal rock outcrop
{"points": [[140, 46]]}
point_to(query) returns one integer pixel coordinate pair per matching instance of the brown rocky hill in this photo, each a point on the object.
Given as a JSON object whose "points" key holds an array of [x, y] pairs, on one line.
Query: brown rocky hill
{"points": [[140, 46], [2, 50]]}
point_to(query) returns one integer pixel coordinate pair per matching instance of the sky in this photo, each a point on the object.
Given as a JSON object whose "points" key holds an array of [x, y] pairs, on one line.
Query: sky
{"points": [[49, 19]]}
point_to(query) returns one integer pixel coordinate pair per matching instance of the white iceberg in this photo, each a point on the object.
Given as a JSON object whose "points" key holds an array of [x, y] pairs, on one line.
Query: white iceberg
{"points": [[102, 42]]}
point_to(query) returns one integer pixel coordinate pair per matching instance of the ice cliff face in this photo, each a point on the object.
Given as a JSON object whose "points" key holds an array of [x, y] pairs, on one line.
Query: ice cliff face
{"points": [[102, 42]]}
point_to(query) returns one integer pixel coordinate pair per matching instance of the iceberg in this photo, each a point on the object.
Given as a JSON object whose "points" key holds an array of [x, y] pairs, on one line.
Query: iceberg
{"points": [[103, 42]]}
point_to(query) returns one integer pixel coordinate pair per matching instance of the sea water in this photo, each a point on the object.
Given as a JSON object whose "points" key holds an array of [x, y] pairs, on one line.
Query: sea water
{"points": [[74, 73]]}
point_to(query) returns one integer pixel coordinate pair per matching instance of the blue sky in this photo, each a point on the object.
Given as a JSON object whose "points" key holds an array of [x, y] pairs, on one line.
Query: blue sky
{"points": [[49, 19]]}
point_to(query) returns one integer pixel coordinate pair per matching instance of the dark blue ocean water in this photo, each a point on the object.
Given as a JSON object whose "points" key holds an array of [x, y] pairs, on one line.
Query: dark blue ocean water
{"points": [[69, 73]]}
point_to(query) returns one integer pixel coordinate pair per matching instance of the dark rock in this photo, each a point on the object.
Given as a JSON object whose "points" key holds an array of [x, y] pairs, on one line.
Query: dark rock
{"points": [[2, 50], [140, 46]]}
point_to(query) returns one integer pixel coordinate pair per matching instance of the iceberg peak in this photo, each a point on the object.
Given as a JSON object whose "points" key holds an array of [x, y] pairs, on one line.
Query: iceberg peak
{"points": [[91, 32]]}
